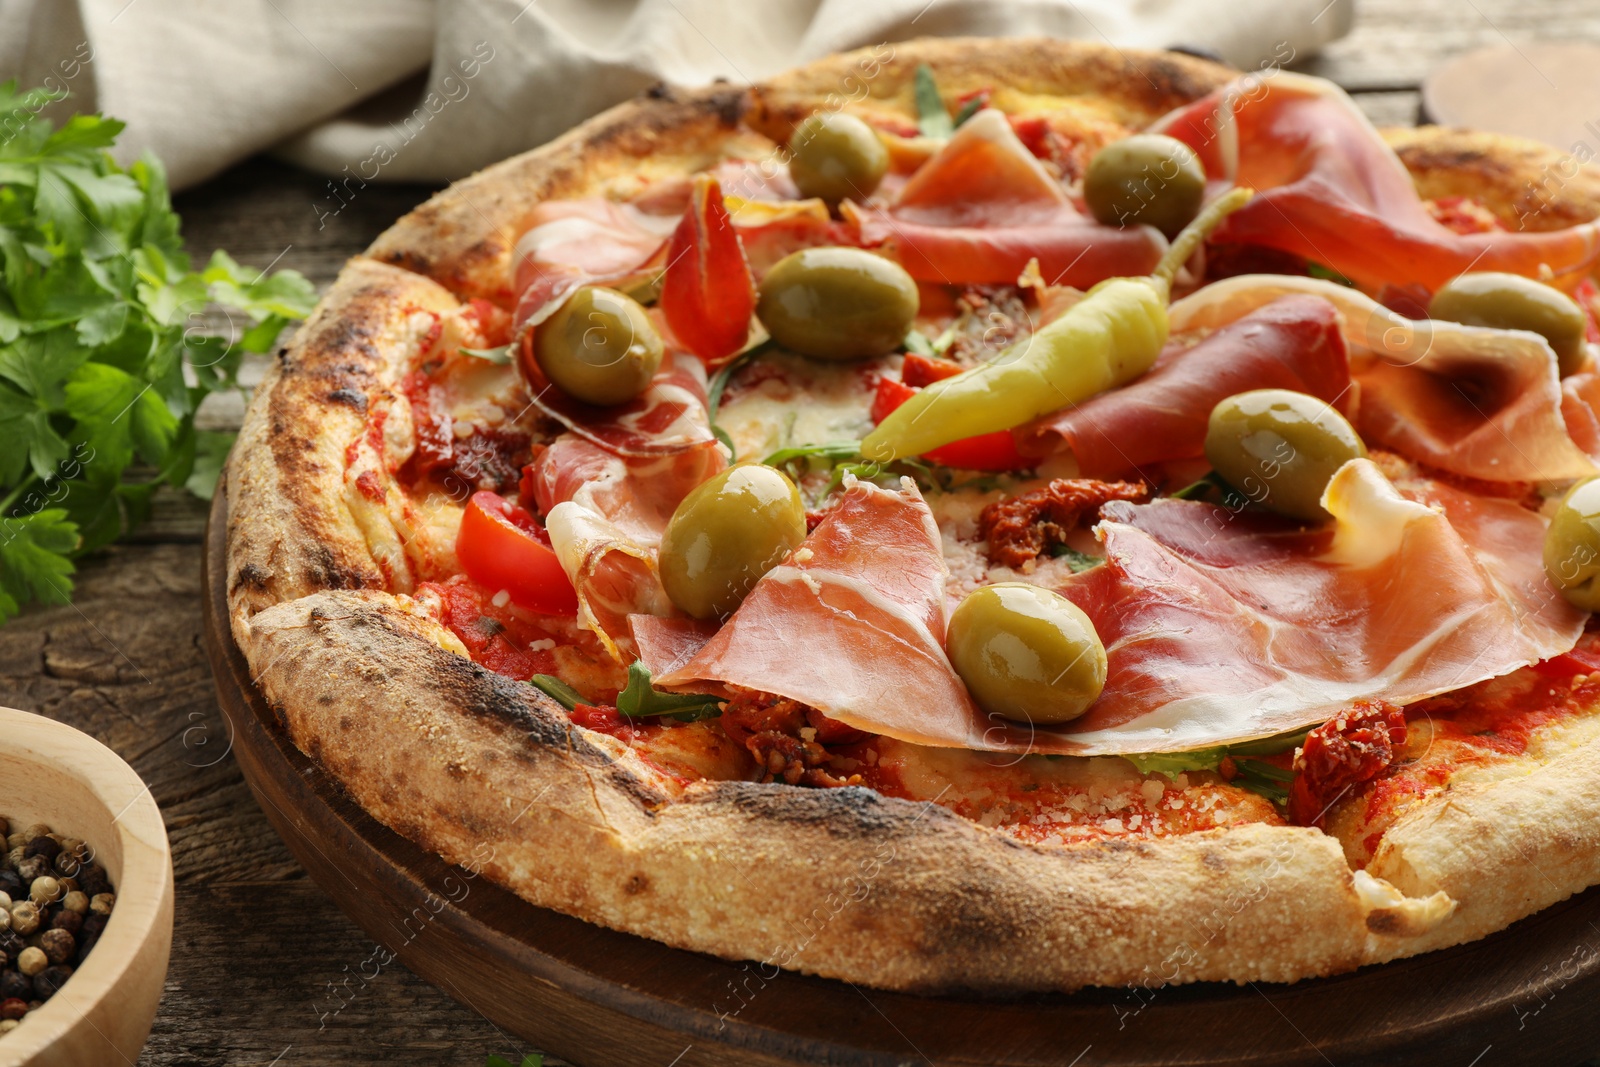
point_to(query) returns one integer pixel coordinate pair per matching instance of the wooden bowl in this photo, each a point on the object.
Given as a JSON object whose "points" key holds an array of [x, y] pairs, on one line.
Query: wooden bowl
{"points": [[64, 778]]}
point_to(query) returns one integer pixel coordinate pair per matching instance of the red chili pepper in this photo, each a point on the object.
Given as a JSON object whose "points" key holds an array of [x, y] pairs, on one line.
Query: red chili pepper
{"points": [[707, 294], [986, 452], [502, 546], [919, 371]]}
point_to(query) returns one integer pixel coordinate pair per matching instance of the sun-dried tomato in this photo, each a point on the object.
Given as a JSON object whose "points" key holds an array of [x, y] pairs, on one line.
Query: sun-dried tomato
{"points": [[1023, 527], [1353, 747], [770, 727]]}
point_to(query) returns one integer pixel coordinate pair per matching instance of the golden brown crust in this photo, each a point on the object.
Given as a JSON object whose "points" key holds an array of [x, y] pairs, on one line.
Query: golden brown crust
{"points": [[1526, 184], [844, 883]]}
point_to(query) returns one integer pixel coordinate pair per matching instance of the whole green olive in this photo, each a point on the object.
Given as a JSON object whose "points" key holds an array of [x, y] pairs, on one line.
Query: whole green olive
{"points": [[1279, 448], [1512, 302], [600, 347], [837, 303], [1148, 178], [1572, 546], [726, 534], [837, 157], [1026, 653]]}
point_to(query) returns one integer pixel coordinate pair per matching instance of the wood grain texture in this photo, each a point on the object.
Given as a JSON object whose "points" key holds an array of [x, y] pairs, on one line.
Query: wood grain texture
{"points": [[259, 951]]}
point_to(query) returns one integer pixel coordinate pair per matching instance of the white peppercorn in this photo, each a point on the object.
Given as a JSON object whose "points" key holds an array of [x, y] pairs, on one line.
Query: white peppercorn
{"points": [[25, 918], [101, 903], [76, 901], [44, 890], [31, 960]]}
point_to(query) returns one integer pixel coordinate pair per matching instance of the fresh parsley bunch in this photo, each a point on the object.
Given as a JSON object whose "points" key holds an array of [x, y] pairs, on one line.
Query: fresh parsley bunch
{"points": [[104, 352]]}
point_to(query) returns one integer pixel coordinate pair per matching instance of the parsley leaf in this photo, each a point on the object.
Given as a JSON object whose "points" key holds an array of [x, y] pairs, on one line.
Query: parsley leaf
{"points": [[104, 355]]}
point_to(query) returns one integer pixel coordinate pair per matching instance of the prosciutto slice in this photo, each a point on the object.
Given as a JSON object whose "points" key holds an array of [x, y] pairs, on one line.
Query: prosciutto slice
{"points": [[983, 206], [1481, 403], [1218, 626], [608, 487], [1294, 342], [573, 243], [1329, 189], [867, 592]]}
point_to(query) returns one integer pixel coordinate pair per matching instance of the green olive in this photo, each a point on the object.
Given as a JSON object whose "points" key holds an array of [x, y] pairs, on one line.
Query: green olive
{"points": [[1572, 546], [1279, 448], [837, 303], [1512, 302], [1026, 653], [727, 533], [600, 347], [1148, 178], [837, 157]]}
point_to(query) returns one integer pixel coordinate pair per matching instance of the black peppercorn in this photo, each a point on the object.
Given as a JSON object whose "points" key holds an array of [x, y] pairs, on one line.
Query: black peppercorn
{"points": [[47, 981], [58, 945], [94, 925], [92, 880], [11, 885], [67, 864], [48, 847], [15, 984], [11, 943], [70, 921], [13, 1007]]}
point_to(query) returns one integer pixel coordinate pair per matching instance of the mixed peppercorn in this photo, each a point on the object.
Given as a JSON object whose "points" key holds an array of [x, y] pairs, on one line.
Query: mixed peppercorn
{"points": [[54, 904]]}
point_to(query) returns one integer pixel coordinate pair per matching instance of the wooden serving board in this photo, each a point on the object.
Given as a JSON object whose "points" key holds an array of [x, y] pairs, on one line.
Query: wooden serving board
{"points": [[1529, 995]]}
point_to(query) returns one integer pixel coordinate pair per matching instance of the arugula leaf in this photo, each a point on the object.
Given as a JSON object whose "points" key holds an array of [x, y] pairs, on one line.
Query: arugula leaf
{"points": [[532, 1059], [557, 690], [640, 698], [829, 452], [933, 118], [104, 360], [971, 108], [1328, 274], [1257, 776]]}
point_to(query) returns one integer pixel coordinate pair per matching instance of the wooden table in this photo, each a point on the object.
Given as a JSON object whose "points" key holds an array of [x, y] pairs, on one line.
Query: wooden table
{"points": [[263, 965]]}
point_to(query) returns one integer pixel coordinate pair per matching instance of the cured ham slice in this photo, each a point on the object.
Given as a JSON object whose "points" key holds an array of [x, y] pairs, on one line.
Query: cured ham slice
{"points": [[1329, 189], [1293, 342], [866, 592], [573, 243], [982, 207], [1219, 626], [608, 487], [1481, 403], [668, 417]]}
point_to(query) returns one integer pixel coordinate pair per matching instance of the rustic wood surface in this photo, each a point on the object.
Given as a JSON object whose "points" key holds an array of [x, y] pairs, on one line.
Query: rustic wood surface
{"points": [[260, 953]]}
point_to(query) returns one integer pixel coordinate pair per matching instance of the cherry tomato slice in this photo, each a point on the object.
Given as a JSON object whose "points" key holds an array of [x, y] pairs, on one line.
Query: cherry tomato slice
{"points": [[499, 549], [986, 452]]}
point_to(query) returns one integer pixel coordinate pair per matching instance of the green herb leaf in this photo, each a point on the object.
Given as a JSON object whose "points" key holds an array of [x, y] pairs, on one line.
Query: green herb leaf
{"points": [[933, 118], [640, 698], [830, 452], [971, 108], [1317, 270], [34, 559], [557, 690], [500, 356], [916, 341], [104, 352], [1266, 779], [1077, 561]]}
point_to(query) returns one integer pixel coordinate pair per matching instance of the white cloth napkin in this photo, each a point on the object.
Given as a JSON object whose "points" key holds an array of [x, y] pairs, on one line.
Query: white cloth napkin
{"points": [[392, 90]]}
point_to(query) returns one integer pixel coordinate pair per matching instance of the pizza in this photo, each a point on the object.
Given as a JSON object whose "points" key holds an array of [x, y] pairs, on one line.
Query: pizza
{"points": [[996, 515]]}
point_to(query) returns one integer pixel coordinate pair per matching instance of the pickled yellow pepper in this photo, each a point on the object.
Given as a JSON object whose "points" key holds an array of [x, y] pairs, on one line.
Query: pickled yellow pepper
{"points": [[1109, 338]]}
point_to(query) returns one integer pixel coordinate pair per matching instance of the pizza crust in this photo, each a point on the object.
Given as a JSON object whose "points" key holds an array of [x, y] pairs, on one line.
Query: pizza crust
{"points": [[843, 883]]}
